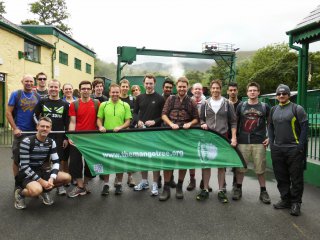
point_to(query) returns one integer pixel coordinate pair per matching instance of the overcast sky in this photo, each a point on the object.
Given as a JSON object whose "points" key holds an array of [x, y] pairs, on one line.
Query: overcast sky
{"points": [[176, 24]]}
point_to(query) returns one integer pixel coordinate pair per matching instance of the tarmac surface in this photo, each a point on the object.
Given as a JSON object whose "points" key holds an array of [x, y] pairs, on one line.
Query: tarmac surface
{"points": [[137, 215]]}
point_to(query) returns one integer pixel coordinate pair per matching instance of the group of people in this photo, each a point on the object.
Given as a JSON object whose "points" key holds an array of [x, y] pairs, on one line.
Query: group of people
{"points": [[48, 160]]}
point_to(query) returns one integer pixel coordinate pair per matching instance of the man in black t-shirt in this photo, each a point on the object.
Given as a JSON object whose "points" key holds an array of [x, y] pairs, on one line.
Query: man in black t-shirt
{"points": [[252, 139], [57, 110], [98, 87]]}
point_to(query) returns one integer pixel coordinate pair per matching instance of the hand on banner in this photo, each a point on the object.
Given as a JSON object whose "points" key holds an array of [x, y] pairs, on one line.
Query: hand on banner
{"points": [[71, 142], [140, 124], [187, 125], [174, 126], [17, 132], [233, 142], [150, 123], [65, 144], [204, 126], [102, 129], [117, 129], [266, 142]]}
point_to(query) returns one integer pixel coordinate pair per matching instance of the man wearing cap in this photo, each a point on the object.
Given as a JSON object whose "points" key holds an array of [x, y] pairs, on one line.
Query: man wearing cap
{"points": [[288, 132]]}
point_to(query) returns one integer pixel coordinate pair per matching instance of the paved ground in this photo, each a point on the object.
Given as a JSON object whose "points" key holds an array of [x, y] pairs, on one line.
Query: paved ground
{"points": [[136, 215]]}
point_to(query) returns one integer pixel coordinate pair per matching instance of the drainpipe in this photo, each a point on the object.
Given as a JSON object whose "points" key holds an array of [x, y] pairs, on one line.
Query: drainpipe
{"points": [[299, 49], [53, 57]]}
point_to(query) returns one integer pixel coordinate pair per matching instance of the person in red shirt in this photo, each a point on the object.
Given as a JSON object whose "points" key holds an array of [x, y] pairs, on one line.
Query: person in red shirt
{"points": [[83, 116]]}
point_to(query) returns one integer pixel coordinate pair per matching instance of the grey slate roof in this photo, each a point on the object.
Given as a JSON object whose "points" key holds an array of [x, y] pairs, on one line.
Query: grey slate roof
{"points": [[313, 17]]}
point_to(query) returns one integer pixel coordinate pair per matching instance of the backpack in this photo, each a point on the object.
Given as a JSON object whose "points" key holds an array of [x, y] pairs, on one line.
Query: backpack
{"points": [[17, 99], [95, 102]]}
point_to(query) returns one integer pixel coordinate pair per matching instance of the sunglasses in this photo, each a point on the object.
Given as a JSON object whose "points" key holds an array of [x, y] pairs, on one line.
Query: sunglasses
{"points": [[283, 94], [42, 79]]}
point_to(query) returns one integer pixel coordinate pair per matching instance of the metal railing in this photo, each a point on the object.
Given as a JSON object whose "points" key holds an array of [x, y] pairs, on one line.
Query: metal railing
{"points": [[314, 136], [5, 135]]}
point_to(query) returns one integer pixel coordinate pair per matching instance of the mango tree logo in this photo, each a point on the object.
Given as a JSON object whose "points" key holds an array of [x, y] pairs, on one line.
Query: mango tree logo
{"points": [[207, 151]]}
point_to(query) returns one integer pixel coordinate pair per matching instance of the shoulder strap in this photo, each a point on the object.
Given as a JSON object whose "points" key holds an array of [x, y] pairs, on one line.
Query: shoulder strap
{"points": [[273, 109], [264, 108], [96, 104], [76, 105], [243, 105]]}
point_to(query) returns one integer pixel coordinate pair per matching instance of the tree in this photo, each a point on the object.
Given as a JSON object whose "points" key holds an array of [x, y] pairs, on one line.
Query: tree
{"points": [[2, 8], [30, 22], [52, 12]]}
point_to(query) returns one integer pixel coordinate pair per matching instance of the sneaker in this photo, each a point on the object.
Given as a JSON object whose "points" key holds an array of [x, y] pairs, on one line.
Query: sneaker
{"points": [[203, 195], [224, 188], [19, 201], [264, 197], [165, 195], [236, 193], [115, 182], [222, 197], [192, 184], [282, 204], [159, 181], [295, 209], [105, 190], [130, 182], [141, 186], [76, 191], [202, 187], [61, 191], [46, 198], [155, 190], [172, 183], [179, 192], [118, 190]]}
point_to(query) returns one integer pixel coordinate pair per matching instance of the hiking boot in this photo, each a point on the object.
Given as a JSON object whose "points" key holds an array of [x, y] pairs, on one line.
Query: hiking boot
{"points": [[130, 182], [203, 195], [159, 182], [141, 186], [192, 184], [264, 197], [46, 198], [154, 191], [172, 183], [282, 204], [76, 191], [202, 186], [19, 201], [118, 190], [295, 209], [105, 190], [165, 195], [237, 194], [179, 192], [222, 197], [61, 191]]}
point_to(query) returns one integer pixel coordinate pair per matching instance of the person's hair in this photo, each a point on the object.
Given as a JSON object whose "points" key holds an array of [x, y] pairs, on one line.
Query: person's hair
{"points": [[167, 80], [216, 81], [149, 75], [197, 84], [84, 82], [233, 84], [183, 79], [47, 119], [76, 93], [253, 84], [124, 81], [40, 73], [97, 81], [113, 85], [135, 86], [54, 80], [66, 85]]}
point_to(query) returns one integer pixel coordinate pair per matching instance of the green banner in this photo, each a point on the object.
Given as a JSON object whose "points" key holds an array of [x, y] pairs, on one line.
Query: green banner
{"points": [[159, 149]]}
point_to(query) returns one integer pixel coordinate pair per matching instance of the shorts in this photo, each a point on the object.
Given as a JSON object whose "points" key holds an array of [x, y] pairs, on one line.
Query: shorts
{"points": [[78, 167], [256, 152], [16, 147], [23, 180]]}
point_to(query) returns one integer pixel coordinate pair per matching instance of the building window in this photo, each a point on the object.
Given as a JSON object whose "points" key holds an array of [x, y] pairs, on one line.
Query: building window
{"points": [[88, 68], [77, 63], [63, 58], [31, 51]]}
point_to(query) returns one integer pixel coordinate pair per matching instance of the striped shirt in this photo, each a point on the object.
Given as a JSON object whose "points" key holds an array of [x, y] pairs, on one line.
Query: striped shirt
{"points": [[31, 159]]}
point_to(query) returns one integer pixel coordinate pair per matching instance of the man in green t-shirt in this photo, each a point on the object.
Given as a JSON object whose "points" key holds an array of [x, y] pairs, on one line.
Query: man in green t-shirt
{"points": [[113, 115]]}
